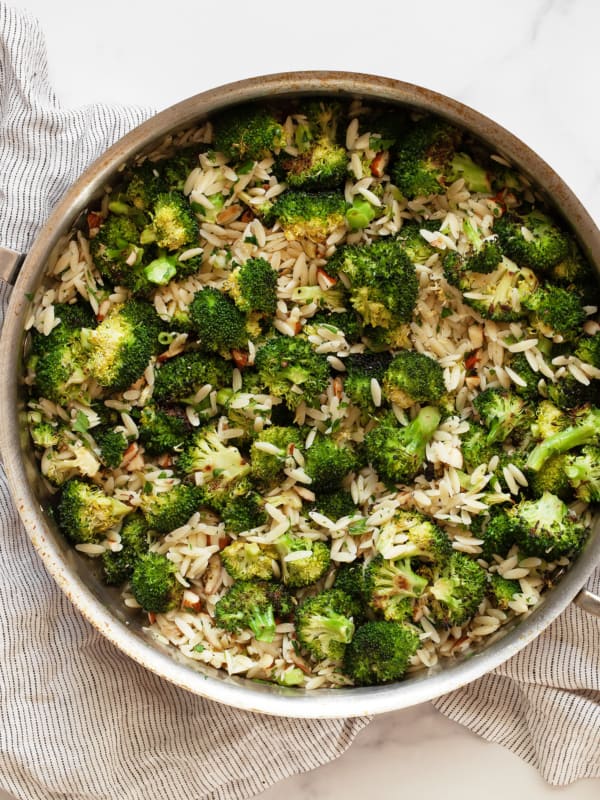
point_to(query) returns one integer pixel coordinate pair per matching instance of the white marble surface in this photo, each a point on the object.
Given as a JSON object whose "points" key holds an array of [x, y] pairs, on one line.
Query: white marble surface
{"points": [[530, 65]]}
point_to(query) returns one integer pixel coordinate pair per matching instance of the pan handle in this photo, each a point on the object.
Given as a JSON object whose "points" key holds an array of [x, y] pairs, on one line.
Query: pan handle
{"points": [[588, 601], [10, 263]]}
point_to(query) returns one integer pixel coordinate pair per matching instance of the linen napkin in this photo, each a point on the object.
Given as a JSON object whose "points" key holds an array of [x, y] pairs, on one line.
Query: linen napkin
{"points": [[78, 719]]}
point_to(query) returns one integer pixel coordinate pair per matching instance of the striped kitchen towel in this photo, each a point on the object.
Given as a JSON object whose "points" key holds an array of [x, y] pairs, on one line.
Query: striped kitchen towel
{"points": [[77, 718]]}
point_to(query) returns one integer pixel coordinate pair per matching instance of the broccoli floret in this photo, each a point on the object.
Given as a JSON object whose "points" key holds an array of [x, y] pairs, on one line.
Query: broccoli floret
{"points": [[502, 591], [414, 245], [73, 316], [391, 588], [332, 299], [306, 570], [247, 604], [246, 132], [475, 446], [175, 169], [361, 370], [178, 378], [383, 281], [167, 511], [220, 325], [116, 250], [532, 240], [253, 287], [573, 269], [321, 162], [112, 446], [215, 461], [244, 512], [350, 578], [486, 254], [552, 477], [457, 589], [585, 430], [335, 505], [174, 224], [154, 585], [413, 378], [327, 463], [267, 466], [248, 560], [556, 312], [44, 434], [120, 347], [85, 512], [291, 369], [426, 161], [549, 419], [380, 652], [520, 365], [59, 365], [588, 350], [423, 539], [162, 429], [503, 413], [302, 215], [324, 624], [144, 185], [498, 535], [118, 567], [544, 528], [397, 453], [348, 322], [583, 473], [498, 295], [568, 393]]}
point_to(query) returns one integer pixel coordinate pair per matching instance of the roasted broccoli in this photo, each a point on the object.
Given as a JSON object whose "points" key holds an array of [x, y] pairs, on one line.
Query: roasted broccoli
{"points": [[112, 445], [544, 528], [361, 370], [458, 587], [220, 325], [297, 572], [61, 368], [583, 473], [485, 255], [521, 366], [328, 463], [423, 539], [555, 312], [247, 604], [396, 452], [336, 504], [253, 287], [271, 450], [569, 394], [588, 350], [117, 252], [118, 566], [413, 378], [169, 510], [44, 434], [551, 477], [502, 591], [302, 215], [249, 561], [503, 413], [143, 186], [85, 512], [348, 322], [360, 213], [216, 461], [499, 534], [383, 281], [174, 224], [414, 245], [179, 377], [476, 447], [380, 652], [154, 585], [291, 369], [246, 132], [333, 299], [244, 512], [120, 348], [321, 161], [392, 587], [350, 578], [325, 625], [532, 240], [426, 161], [549, 419], [162, 429]]}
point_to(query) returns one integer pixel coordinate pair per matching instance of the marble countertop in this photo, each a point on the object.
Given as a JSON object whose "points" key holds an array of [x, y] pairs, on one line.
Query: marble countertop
{"points": [[529, 66]]}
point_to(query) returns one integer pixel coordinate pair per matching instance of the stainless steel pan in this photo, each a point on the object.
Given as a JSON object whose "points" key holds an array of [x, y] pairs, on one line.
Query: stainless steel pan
{"points": [[74, 573]]}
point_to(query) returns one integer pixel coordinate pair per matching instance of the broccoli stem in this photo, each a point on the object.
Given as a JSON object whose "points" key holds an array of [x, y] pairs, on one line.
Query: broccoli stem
{"points": [[426, 422], [574, 436], [262, 624]]}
